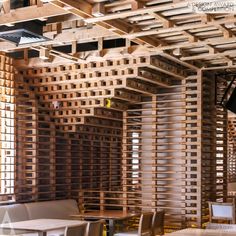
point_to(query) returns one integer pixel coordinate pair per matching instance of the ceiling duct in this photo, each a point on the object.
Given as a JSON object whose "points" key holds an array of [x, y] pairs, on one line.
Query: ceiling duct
{"points": [[23, 33]]}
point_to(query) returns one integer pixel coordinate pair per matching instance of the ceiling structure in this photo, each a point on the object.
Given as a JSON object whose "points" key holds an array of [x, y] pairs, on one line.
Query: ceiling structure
{"points": [[168, 27]]}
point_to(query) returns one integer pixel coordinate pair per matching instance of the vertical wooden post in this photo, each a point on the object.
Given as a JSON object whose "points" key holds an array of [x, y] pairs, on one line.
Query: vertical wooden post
{"points": [[124, 163]]}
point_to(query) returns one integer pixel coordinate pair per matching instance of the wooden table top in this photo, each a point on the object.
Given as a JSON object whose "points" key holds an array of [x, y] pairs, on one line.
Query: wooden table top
{"points": [[42, 224], [203, 232], [107, 214]]}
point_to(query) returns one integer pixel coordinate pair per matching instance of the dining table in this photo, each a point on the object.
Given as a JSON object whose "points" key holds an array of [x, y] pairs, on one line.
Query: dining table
{"points": [[202, 232], [41, 226], [108, 215]]}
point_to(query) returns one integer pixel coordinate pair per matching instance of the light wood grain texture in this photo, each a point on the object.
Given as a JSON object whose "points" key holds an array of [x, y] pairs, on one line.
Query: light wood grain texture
{"points": [[42, 225]]}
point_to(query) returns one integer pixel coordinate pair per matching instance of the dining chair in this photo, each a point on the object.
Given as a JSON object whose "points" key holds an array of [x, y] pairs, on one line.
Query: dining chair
{"points": [[75, 230], [144, 226], [95, 228], [222, 211], [158, 222]]}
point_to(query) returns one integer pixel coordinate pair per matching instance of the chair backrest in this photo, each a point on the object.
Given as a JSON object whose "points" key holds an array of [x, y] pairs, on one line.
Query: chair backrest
{"points": [[95, 228], [222, 211], [75, 230], [58, 209], [145, 224], [158, 222]]}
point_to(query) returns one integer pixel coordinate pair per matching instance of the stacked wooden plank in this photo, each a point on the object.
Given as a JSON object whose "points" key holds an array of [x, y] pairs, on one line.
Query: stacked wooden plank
{"points": [[125, 134], [231, 170], [221, 144], [87, 90], [52, 164], [173, 154], [7, 123]]}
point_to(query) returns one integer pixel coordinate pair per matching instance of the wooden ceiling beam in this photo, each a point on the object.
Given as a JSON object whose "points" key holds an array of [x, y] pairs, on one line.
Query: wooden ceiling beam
{"points": [[166, 23], [65, 56], [191, 37], [56, 53], [117, 23], [139, 11], [230, 61], [210, 55], [63, 18], [84, 10], [202, 43], [98, 9], [31, 13], [6, 5], [84, 34], [175, 59], [212, 50], [81, 8], [111, 53], [215, 68], [205, 18], [136, 4], [226, 32], [183, 28]]}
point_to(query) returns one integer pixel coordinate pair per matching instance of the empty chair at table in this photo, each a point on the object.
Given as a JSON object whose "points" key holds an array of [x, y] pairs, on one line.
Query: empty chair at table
{"points": [[144, 227], [222, 211], [158, 223], [95, 228], [75, 230]]}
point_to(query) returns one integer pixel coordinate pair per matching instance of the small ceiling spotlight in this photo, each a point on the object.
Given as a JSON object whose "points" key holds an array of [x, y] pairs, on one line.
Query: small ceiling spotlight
{"points": [[177, 52]]}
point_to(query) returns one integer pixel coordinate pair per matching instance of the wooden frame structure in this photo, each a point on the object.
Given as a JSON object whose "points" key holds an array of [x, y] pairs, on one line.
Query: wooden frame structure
{"points": [[118, 108]]}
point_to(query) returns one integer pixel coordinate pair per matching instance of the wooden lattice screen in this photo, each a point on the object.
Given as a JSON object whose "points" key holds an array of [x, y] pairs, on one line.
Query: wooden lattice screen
{"points": [[55, 165], [174, 152], [7, 129], [122, 135], [231, 171]]}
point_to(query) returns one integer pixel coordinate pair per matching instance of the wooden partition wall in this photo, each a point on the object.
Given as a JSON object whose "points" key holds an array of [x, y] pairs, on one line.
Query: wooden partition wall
{"points": [[222, 152], [55, 165], [7, 124], [231, 150], [122, 134], [174, 152]]}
